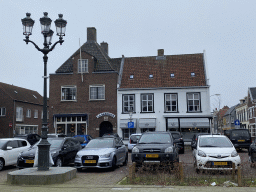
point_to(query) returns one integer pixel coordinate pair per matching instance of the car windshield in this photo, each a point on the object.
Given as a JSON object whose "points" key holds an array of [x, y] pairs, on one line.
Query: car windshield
{"points": [[175, 135], [238, 133], [55, 143], [214, 142], [100, 143], [2, 142], [155, 138], [134, 138]]}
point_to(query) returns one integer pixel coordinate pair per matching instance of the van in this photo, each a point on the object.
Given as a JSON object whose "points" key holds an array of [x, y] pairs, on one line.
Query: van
{"points": [[241, 138]]}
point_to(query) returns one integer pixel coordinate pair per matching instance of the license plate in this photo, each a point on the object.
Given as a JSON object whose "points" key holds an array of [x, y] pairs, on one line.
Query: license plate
{"points": [[241, 140], [89, 161], [29, 161], [220, 163], [152, 155]]}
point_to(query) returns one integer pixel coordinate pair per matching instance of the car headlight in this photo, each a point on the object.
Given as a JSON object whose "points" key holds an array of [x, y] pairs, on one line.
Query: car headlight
{"points": [[169, 150], [201, 154], [234, 154], [105, 155], [135, 150], [78, 155]]}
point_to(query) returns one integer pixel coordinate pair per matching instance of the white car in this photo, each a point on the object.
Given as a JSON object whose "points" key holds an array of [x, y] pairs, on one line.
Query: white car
{"points": [[133, 140], [215, 152], [10, 148]]}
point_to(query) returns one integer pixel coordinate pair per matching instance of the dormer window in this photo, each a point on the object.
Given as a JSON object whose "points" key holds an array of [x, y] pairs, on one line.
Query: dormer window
{"points": [[16, 92], [131, 76], [172, 75], [193, 74], [151, 76]]}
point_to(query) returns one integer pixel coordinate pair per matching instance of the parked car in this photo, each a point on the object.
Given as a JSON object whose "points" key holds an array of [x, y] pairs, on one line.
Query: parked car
{"points": [[31, 138], [102, 153], [178, 140], [110, 135], [252, 152], [63, 151], [155, 147], [215, 152], [10, 149], [133, 140], [83, 139], [53, 135], [241, 138], [195, 138]]}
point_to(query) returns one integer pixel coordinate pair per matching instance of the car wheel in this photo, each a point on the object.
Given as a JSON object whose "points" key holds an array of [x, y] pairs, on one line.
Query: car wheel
{"points": [[126, 160], [114, 163], [1, 164], [58, 162], [79, 169]]}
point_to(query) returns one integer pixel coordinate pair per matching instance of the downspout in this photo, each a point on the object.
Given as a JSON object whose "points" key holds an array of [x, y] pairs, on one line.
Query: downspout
{"points": [[14, 112]]}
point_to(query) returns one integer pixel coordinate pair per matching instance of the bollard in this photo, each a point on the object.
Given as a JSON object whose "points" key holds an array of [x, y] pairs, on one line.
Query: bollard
{"points": [[132, 172], [233, 171], [181, 172], [239, 177]]}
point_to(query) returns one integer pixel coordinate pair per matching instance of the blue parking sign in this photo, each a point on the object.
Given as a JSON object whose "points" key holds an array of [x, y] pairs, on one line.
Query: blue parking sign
{"points": [[130, 124]]}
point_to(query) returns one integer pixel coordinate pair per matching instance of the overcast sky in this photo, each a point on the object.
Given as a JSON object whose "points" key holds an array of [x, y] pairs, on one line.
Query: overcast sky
{"points": [[224, 29]]}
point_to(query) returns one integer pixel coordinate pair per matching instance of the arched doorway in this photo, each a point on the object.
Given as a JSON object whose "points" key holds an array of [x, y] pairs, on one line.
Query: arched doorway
{"points": [[106, 127]]}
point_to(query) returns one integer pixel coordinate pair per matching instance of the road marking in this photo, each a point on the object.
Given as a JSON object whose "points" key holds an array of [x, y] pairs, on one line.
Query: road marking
{"points": [[121, 189]]}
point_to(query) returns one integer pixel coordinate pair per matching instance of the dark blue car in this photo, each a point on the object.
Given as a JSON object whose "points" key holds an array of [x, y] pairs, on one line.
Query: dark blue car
{"points": [[83, 139]]}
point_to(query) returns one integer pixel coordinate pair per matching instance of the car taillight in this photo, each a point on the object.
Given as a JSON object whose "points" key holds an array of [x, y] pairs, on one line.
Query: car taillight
{"points": [[130, 141]]}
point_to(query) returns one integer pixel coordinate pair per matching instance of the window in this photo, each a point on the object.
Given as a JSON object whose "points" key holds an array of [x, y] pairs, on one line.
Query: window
{"points": [[171, 103], [82, 65], [193, 74], [2, 111], [28, 114], [19, 114], [97, 92], [172, 75], [128, 103], [131, 76], [68, 93], [193, 101], [151, 76], [128, 132], [36, 114], [147, 102]]}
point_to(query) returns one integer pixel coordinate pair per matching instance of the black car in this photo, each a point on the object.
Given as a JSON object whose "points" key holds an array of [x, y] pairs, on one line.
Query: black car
{"points": [[178, 140], [63, 151], [195, 138], [31, 138], [241, 138], [155, 147]]}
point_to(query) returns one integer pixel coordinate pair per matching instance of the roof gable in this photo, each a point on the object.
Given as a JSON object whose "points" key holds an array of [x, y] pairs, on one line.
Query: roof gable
{"points": [[181, 66], [22, 94]]}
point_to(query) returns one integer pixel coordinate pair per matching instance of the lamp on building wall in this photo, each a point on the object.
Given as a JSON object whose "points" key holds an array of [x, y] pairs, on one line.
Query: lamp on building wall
{"points": [[27, 22]]}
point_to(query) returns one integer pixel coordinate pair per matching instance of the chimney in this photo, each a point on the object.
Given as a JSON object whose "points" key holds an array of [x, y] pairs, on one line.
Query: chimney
{"points": [[91, 35], [104, 47], [160, 52]]}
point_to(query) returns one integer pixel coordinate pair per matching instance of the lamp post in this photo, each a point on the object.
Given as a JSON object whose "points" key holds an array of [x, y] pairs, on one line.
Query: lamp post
{"points": [[218, 114], [27, 22]]}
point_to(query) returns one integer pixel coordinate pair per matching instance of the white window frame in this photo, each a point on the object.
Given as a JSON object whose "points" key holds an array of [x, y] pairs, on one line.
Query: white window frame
{"points": [[82, 65], [195, 107], [36, 114], [147, 101], [2, 111], [19, 114], [128, 102], [96, 93], [65, 96], [28, 113], [171, 100]]}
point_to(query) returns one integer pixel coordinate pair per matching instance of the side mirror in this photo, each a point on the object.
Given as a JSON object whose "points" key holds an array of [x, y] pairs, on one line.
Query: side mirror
{"points": [[9, 148]]}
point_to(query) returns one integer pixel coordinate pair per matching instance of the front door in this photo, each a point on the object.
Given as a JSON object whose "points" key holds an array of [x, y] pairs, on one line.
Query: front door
{"points": [[106, 127]]}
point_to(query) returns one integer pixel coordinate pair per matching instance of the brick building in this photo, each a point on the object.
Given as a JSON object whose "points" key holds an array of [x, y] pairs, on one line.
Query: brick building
{"points": [[83, 96], [251, 110], [20, 111]]}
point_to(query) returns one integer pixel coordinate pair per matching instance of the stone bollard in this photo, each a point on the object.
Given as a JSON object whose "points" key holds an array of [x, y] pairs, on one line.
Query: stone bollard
{"points": [[233, 171], [181, 173], [132, 172], [239, 176]]}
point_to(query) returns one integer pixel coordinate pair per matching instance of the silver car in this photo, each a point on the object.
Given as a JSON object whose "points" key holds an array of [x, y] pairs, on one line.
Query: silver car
{"points": [[102, 153]]}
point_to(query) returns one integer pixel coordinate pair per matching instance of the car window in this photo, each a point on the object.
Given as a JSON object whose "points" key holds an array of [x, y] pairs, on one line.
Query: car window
{"points": [[13, 144], [155, 138], [214, 142], [175, 135], [238, 133], [22, 143], [100, 143], [55, 143], [134, 138]]}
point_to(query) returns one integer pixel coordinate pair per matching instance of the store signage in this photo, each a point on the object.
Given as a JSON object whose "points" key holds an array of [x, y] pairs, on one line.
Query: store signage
{"points": [[105, 114]]}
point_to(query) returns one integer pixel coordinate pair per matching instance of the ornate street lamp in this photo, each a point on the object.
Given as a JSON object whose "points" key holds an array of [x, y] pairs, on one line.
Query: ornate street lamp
{"points": [[27, 22]]}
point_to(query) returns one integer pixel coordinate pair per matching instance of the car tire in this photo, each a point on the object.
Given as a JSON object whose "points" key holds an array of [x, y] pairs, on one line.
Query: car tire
{"points": [[126, 160], [79, 169], [1, 164], [58, 162], [113, 163]]}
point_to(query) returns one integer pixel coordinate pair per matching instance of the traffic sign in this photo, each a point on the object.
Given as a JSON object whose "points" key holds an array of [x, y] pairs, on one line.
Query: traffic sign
{"points": [[130, 124], [237, 123]]}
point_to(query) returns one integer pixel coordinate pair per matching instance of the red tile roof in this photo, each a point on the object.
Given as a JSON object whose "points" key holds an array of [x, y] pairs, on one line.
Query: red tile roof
{"points": [[181, 65]]}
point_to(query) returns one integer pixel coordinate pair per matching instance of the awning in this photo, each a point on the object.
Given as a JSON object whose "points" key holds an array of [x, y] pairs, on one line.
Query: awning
{"points": [[147, 123], [194, 123], [124, 123], [173, 123]]}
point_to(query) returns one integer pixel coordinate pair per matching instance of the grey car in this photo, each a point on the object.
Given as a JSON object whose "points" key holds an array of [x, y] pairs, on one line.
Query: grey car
{"points": [[104, 152]]}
